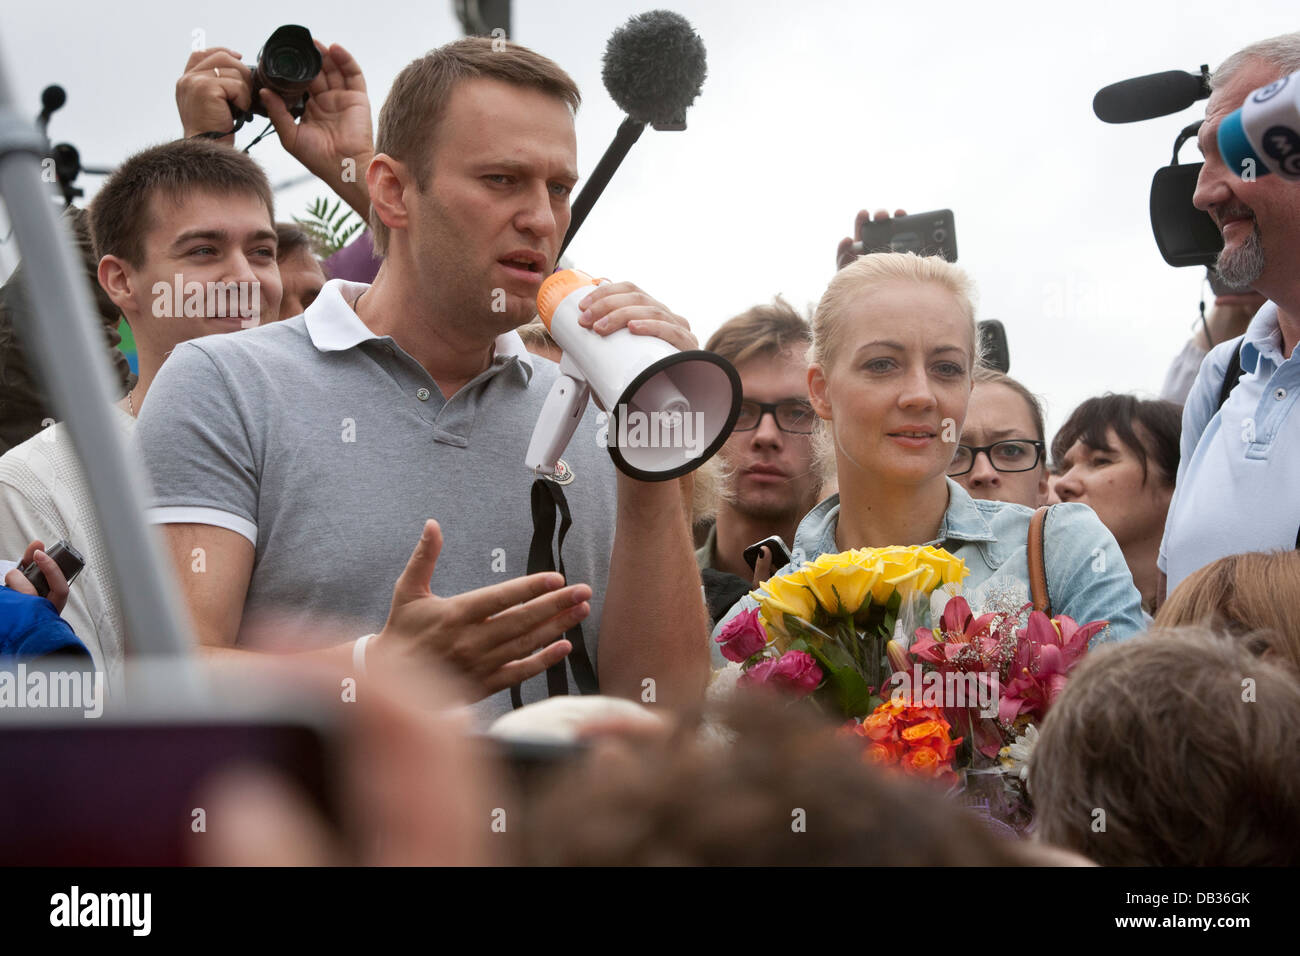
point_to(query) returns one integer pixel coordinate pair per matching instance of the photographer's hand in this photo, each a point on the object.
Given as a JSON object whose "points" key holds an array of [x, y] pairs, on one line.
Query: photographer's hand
{"points": [[850, 247], [213, 79], [334, 138]]}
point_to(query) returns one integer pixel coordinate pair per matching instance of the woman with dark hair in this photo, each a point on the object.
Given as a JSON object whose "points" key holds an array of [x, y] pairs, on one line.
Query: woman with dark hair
{"points": [[1118, 454]]}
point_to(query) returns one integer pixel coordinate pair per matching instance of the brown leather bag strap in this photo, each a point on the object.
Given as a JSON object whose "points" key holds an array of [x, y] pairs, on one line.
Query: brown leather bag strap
{"points": [[1037, 568]]}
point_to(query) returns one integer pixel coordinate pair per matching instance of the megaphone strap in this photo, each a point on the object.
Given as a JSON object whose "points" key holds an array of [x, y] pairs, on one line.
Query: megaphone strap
{"points": [[547, 499]]}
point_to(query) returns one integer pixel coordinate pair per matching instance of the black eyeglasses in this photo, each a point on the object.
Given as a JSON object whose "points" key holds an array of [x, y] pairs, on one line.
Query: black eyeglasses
{"points": [[1016, 454], [792, 415]]}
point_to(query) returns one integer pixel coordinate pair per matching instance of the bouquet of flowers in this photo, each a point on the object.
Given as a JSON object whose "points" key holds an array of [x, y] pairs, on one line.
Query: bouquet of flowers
{"points": [[836, 632], [996, 681], [822, 631]]}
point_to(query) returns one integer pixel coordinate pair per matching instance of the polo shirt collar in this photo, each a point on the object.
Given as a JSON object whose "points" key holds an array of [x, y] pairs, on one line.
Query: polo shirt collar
{"points": [[1263, 338], [334, 327]]}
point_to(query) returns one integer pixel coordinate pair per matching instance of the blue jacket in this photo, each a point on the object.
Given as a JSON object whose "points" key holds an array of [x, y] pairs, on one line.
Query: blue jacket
{"points": [[1087, 578], [31, 627]]}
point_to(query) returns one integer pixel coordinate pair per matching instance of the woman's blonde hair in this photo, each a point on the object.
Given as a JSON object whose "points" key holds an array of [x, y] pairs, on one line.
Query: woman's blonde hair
{"points": [[877, 269], [1253, 596], [849, 283]]}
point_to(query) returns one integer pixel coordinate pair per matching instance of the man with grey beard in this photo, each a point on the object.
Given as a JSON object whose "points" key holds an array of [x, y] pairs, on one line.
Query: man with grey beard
{"points": [[1240, 458]]}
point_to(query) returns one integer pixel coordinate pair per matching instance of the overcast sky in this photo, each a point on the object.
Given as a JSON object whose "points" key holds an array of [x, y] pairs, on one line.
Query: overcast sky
{"points": [[811, 110]]}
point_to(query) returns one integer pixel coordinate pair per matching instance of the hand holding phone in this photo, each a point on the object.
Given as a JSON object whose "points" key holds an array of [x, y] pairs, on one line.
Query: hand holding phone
{"points": [[778, 553], [47, 577]]}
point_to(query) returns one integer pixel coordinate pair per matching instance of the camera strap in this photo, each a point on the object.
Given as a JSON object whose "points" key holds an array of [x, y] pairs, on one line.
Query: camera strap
{"points": [[547, 499]]}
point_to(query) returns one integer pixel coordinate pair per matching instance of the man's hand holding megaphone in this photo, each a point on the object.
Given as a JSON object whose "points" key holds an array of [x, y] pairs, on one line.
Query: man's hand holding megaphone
{"points": [[619, 305]]}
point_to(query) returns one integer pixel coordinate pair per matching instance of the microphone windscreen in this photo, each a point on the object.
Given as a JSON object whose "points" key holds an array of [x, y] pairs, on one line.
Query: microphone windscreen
{"points": [[654, 68], [1146, 97], [52, 98]]}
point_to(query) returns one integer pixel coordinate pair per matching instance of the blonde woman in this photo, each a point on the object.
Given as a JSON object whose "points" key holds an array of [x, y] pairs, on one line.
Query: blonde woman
{"points": [[893, 358]]}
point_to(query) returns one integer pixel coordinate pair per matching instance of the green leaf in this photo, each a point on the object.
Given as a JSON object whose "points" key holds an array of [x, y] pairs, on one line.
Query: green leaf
{"points": [[329, 225], [844, 682]]}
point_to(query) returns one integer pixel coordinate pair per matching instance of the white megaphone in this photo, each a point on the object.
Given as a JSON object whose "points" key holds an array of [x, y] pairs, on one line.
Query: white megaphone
{"points": [[669, 411]]}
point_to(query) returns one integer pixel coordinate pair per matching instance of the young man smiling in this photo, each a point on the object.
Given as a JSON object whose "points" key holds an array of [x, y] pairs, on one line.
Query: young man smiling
{"points": [[413, 398], [189, 219]]}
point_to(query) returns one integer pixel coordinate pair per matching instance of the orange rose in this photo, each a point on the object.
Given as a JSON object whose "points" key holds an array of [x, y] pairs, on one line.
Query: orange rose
{"points": [[926, 728], [880, 753], [923, 761], [879, 724]]}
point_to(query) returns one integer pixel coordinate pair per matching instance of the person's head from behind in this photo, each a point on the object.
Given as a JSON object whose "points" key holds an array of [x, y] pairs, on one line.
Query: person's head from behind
{"points": [[1259, 217], [1118, 454], [1253, 596], [1002, 453], [476, 156], [1173, 749], [768, 464], [301, 274], [894, 349], [185, 235], [786, 791]]}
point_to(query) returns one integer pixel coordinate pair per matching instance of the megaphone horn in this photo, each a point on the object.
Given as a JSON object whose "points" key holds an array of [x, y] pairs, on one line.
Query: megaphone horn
{"points": [[669, 411]]}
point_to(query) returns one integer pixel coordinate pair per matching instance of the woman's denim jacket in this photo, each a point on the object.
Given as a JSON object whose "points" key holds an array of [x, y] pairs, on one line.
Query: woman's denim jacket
{"points": [[1087, 578]]}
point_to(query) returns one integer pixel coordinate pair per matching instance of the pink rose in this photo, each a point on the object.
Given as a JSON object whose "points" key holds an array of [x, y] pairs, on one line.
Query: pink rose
{"points": [[742, 637], [795, 672]]}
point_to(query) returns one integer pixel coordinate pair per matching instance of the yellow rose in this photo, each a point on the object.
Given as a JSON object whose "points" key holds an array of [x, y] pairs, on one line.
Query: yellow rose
{"points": [[897, 566], [852, 582], [787, 594]]}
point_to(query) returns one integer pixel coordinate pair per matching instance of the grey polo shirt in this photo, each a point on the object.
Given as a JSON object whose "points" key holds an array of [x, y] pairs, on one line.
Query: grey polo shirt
{"points": [[328, 446]]}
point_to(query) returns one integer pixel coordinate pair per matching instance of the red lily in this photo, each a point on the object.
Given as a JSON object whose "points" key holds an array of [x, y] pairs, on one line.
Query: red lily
{"points": [[1048, 650]]}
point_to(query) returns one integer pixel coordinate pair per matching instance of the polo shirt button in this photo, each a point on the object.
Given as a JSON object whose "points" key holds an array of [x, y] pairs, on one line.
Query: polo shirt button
{"points": [[1279, 393], [422, 394]]}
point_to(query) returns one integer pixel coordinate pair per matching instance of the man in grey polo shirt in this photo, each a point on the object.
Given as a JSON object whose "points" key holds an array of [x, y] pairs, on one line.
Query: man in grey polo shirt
{"points": [[1240, 464], [295, 466]]}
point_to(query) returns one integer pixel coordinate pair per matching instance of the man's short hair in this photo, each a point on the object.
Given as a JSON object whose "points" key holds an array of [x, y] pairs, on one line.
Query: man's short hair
{"points": [[420, 94], [1186, 742], [1150, 428], [1282, 52], [765, 331], [120, 211], [289, 238]]}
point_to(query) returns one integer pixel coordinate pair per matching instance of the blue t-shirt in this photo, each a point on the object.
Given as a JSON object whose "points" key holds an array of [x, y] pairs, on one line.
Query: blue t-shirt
{"points": [[1087, 577], [30, 626]]}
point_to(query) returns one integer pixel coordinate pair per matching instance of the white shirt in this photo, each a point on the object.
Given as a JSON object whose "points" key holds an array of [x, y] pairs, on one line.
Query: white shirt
{"points": [[44, 494], [1238, 484]]}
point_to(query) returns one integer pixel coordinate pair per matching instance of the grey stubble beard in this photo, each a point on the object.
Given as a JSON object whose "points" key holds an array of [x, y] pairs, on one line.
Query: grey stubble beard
{"points": [[1243, 265]]}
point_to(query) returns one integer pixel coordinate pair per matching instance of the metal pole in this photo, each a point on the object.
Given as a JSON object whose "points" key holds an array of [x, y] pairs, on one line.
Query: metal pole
{"points": [[64, 343]]}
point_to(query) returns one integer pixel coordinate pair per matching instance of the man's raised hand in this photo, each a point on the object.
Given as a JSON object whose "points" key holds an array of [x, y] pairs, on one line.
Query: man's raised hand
{"points": [[495, 637], [334, 138], [213, 79]]}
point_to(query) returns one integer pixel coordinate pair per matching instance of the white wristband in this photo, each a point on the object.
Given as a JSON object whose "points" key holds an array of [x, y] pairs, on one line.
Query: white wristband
{"points": [[359, 654]]}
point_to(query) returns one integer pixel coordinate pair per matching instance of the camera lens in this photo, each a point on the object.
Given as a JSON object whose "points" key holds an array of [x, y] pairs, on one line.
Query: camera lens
{"points": [[289, 61], [286, 64]]}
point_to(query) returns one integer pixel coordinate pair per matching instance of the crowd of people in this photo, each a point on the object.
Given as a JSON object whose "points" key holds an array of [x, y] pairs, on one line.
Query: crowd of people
{"points": [[340, 440]]}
